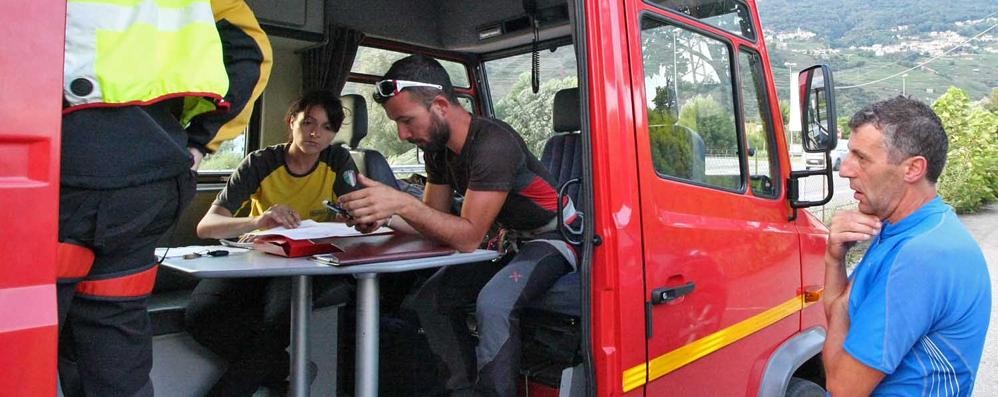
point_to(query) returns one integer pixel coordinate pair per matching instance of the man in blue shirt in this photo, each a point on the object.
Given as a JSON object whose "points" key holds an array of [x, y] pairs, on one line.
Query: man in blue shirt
{"points": [[912, 317]]}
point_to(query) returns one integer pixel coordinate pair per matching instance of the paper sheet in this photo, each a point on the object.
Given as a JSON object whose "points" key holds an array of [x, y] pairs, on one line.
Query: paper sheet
{"points": [[309, 229]]}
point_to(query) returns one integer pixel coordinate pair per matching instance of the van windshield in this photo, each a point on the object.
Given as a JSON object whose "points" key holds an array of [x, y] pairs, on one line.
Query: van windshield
{"points": [[515, 102]]}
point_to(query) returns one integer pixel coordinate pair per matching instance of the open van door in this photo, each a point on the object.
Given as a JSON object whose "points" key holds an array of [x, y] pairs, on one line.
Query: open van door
{"points": [[30, 119], [714, 218]]}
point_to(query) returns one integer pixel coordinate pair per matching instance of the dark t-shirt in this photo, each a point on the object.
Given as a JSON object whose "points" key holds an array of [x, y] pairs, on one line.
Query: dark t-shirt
{"points": [[495, 158]]}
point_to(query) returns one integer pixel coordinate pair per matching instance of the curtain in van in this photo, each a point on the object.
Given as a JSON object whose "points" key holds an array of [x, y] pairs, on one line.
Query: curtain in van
{"points": [[328, 66]]}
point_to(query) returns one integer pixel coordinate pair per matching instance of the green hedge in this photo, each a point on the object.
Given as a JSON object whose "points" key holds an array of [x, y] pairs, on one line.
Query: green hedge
{"points": [[970, 178]]}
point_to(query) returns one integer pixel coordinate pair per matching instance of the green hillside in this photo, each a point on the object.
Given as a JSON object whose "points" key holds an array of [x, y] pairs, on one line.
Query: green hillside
{"points": [[845, 23], [847, 34]]}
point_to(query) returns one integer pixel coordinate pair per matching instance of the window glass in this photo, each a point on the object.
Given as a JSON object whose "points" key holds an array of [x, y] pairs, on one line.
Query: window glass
{"points": [[376, 61], [227, 157], [758, 125], [730, 15], [382, 134], [691, 113], [515, 102]]}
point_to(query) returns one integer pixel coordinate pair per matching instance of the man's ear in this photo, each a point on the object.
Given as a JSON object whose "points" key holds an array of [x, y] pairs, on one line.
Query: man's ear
{"points": [[442, 105], [915, 168]]}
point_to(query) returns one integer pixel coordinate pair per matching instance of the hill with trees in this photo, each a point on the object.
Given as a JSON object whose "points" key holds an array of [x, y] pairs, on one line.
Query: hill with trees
{"points": [[845, 23], [886, 48]]}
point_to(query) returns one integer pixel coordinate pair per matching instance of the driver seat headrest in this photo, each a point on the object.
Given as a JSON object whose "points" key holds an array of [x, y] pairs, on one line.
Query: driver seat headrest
{"points": [[566, 111], [354, 127]]}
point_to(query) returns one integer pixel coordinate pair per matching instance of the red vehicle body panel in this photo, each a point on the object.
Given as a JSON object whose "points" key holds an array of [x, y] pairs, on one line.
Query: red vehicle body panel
{"points": [[30, 119], [742, 252], [617, 282]]}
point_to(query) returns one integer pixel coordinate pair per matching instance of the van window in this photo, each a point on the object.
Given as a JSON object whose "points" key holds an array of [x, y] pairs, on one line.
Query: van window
{"points": [[228, 156], [757, 122], [730, 15], [515, 102], [691, 111], [376, 61], [382, 134]]}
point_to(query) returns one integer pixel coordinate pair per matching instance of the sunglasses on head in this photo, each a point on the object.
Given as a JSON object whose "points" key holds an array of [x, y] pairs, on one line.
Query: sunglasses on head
{"points": [[385, 89]]}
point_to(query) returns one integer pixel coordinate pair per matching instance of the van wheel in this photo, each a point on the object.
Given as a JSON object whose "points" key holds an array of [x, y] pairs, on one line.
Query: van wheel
{"points": [[804, 388]]}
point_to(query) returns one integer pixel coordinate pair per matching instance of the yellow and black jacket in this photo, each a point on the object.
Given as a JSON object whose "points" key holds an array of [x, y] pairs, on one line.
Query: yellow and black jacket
{"points": [[263, 180], [134, 133]]}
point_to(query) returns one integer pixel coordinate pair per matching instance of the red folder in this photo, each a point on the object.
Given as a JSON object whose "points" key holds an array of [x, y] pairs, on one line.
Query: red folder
{"points": [[283, 246], [355, 250]]}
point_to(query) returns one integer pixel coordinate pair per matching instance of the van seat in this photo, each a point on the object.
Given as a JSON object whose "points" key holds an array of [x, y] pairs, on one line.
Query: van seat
{"points": [[562, 298], [563, 158], [369, 162]]}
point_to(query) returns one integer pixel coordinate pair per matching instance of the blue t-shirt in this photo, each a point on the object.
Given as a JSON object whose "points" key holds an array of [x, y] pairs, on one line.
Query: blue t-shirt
{"points": [[920, 305]]}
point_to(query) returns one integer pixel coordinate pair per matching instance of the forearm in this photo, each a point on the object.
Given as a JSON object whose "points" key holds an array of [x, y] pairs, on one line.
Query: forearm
{"points": [[836, 280], [455, 231], [218, 227], [833, 354], [835, 338]]}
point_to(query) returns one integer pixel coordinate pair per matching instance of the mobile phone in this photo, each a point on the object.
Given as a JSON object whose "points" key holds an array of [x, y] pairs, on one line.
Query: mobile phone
{"points": [[335, 208]]}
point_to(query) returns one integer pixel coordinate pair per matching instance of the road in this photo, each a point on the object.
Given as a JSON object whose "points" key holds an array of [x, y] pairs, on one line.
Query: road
{"points": [[984, 226]]}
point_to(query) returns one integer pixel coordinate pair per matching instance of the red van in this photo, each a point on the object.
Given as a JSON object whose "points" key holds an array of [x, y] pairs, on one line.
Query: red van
{"points": [[700, 270]]}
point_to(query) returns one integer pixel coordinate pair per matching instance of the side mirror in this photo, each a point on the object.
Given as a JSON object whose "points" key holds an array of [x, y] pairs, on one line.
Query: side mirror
{"points": [[818, 128], [817, 104]]}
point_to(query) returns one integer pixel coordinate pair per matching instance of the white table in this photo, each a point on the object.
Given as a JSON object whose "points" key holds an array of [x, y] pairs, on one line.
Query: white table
{"points": [[257, 264]]}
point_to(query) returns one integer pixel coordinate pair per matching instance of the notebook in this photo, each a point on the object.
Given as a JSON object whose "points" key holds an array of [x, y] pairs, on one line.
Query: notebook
{"points": [[356, 250]]}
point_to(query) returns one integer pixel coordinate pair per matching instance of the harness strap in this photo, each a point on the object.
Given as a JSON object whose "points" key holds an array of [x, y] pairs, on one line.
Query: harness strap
{"points": [[127, 286], [73, 261]]}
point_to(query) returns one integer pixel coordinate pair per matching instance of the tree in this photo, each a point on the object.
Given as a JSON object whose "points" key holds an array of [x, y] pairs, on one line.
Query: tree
{"points": [[531, 114], [785, 112], [843, 123], [714, 123], [970, 178], [993, 101]]}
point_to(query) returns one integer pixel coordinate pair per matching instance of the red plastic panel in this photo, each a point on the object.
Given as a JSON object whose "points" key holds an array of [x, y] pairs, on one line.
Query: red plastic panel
{"points": [[30, 116]]}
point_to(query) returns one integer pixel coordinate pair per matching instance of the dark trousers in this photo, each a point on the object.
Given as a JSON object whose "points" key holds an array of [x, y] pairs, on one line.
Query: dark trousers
{"points": [[106, 339], [498, 292], [247, 323]]}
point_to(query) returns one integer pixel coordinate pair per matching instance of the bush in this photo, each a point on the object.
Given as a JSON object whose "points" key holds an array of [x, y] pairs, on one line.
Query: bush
{"points": [[970, 178]]}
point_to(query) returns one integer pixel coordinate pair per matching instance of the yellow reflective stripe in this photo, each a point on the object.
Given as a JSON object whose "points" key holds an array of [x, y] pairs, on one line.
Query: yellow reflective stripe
{"points": [[139, 51], [133, 3], [635, 377], [176, 57], [660, 366]]}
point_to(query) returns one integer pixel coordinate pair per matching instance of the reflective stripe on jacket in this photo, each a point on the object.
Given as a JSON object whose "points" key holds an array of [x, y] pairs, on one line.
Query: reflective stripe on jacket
{"points": [[138, 52]]}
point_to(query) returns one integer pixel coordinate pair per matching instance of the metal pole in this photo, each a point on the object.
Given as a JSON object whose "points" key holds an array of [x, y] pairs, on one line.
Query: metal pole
{"points": [[368, 316], [301, 308]]}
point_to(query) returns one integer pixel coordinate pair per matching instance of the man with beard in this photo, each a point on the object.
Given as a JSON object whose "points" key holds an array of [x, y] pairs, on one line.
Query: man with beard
{"points": [[488, 163], [911, 319]]}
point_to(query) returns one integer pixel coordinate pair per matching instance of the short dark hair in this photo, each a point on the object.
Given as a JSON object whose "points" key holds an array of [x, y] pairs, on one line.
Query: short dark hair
{"points": [[910, 128], [325, 98], [423, 69]]}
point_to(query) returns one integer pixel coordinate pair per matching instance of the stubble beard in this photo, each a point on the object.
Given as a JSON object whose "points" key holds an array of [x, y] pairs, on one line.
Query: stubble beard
{"points": [[439, 135]]}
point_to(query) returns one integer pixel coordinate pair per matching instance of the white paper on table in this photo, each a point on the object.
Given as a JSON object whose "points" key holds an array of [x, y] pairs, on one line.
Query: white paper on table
{"points": [[309, 229]]}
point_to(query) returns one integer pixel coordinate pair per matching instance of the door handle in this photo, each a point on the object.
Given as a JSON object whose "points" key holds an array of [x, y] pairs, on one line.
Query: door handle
{"points": [[669, 294]]}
